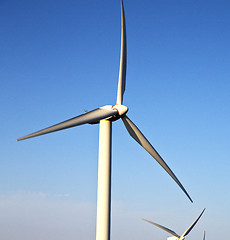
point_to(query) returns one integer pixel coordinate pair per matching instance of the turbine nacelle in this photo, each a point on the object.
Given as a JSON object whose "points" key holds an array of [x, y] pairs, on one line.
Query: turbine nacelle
{"points": [[117, 110], [121, 109], [173, 238]]}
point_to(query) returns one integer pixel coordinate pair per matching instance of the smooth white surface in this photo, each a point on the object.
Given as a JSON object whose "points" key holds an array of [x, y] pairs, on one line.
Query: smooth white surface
{"points": [[172, 238], [104, 181], [121, 109], [123, 59]]}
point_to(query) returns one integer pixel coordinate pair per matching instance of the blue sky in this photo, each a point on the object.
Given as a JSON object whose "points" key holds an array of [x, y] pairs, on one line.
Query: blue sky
{"points": [[59, 58]]}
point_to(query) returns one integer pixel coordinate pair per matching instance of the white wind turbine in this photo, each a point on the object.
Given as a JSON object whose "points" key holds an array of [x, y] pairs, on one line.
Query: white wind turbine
{"points": [[175, 235], [105, 116]]}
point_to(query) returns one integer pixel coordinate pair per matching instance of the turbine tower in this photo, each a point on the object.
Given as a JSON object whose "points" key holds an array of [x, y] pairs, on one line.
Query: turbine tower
{"points": [[175, 235], [105, 116]]}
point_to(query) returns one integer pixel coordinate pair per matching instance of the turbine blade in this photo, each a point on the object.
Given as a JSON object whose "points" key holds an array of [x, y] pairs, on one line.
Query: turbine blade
{"points": [[89, 117], [204, 236], [193, 224], [123, 59], [140, 138], [164, 228]]}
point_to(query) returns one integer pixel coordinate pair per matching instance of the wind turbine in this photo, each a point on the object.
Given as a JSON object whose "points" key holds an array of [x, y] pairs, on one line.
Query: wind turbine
{"points": [[175, 235], [105, 116]]}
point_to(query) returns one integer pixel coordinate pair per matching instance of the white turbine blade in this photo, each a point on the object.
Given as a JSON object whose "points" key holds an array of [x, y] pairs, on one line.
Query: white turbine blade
{"points": [[204, 236], [193, 224], [89, 117], [123, 59], [164, 228], [140, 138]]}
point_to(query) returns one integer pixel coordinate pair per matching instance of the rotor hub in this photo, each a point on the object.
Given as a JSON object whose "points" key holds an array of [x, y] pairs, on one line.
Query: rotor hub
{"points": [[121, 109]]}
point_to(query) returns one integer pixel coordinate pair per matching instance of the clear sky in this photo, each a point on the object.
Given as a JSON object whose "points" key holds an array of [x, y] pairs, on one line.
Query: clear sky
{"points": [[59, 58]]}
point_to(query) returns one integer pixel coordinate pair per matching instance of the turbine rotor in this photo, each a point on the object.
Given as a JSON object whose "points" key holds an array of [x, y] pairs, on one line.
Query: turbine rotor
{"points": [[121, 109]]}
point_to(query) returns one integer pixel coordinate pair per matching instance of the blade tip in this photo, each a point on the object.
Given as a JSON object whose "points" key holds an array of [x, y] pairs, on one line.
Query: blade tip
{"points": [[187, 195], [21, 138]]}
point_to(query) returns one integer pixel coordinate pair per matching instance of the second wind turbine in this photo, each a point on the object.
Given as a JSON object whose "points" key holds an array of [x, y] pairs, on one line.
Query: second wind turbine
{"points": [[105, 116]]}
